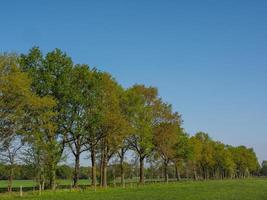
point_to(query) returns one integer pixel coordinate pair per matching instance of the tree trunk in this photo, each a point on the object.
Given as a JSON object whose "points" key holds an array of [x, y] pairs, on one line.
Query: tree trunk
{"points": [[10, 178], [41, 178], [122, 168], [52, 177], [142, 174], [103, 165], [93, 160], [195, 174], [104, 169], [101, 169], [104, 182], [206, 174], [187, 171], [177, 173], [166, 171], [76, 171]]}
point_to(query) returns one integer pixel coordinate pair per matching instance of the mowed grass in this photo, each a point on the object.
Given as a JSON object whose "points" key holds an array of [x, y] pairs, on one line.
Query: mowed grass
{"points": [[18, 183], [250, 189]]}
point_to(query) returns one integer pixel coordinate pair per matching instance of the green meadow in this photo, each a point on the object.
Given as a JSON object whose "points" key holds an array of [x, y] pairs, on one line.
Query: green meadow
{"points": [[31, 183], [247, 189]]}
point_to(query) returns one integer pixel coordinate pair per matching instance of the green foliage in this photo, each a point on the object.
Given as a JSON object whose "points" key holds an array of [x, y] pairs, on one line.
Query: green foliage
{"points": [[264, 168], [142, 106], [15, 96]]}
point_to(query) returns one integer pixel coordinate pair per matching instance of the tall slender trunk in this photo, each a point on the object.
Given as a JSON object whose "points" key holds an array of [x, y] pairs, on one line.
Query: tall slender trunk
{"points": [[93, 160], [52, 176], [76, 171], [166, 171], [177, 173], [10, 178], [187, 170], [206, 174], [103, 164], [203, 172], [142, 174], [195, 174], [122, 168], [217, 174], [41, 178], [101, 168], [104, 181], [104, 169]]}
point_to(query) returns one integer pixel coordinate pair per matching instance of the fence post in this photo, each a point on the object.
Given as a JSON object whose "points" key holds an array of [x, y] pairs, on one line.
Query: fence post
{"points": [[20, 191], [40, 189]]}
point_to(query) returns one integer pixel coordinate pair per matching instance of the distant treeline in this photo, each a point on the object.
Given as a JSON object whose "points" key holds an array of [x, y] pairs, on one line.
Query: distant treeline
{"points": [[49, 105]]}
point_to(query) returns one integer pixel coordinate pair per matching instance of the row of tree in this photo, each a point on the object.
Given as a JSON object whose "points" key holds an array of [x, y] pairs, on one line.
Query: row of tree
{"points": [[49, 105]]}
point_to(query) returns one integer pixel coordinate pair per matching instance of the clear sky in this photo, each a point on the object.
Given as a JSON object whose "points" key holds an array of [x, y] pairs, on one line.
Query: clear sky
{"points": [[208, 58]]}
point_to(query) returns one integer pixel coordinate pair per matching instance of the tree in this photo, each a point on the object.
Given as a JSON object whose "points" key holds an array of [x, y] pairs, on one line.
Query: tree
{"points": [[224, 165], [264, 168], [14, 96], [166, 132], [202, 158], [40, 136], [127, 109], [113, 125], [50, 75], [183, 153], [143, 100], [207, 161], [64, 172], [245, 160], [9, 149], [17, 104], [77, 102]]}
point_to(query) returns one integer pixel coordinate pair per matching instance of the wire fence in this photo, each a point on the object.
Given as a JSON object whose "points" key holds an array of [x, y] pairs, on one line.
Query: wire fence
{"points": [[128, 183]]}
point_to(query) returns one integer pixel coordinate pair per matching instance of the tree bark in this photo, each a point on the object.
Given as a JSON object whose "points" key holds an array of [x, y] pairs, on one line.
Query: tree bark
{"points": [[177, 173], [93, 160], [104, 169], [142, 174], [206, 174], [76, 171], [103, 164], [101, 169], [122, 168], [166, 172], [187, 171], [195, 174], [52, 177], [41, 178], [10, 178]]}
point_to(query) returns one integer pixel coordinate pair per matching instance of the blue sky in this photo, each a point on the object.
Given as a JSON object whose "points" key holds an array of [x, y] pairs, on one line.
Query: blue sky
{"points": [[208, 58]]}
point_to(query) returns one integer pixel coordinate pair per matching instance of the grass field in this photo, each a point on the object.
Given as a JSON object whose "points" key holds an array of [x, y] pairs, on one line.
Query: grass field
{"points": [[252, 189], [31, 183]]}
